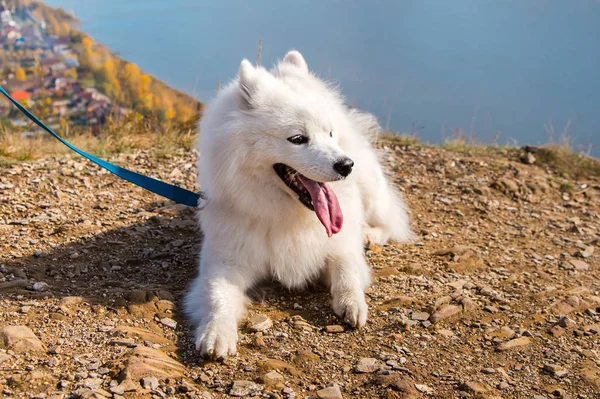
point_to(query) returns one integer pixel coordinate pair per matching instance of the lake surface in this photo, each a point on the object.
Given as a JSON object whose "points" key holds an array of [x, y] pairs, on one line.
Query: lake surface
{"points": [[524, 71]]}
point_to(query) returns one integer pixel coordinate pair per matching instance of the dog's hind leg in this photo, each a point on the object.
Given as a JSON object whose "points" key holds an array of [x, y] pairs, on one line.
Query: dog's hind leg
{"points": [[386, 216]]}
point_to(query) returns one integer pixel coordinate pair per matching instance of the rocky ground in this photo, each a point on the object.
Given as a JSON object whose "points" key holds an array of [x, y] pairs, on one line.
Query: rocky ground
{"points": [[498, 298]]}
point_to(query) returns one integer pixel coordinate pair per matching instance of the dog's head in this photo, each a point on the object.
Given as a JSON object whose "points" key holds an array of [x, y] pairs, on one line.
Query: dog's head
{"points": [[293, 122]]}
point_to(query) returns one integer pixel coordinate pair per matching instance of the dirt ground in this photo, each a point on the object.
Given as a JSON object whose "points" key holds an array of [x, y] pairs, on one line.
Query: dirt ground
{"points": [[498, 298]]}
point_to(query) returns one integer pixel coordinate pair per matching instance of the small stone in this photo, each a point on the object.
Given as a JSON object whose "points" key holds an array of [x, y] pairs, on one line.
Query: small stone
{"points": [[147, 362], [259, 323], [166, 295], [557, 331], [397, 382], [514, 344], [332, 392], [555, 370], [458, 284], [488, 370], [587, 252], [243, 388], [150, 383], [93, 383], [272, 378], [591, 312], [528, 158], [259, 341], [367, 365], [422, 388], [445, 333], [580, 265], [491, 309], [126, 385], [167, 321], [4, 357], [177, 243], [566, 322], [20, 339], [420, 316], [474, 387], [40, 286], [137, 296], [446, 312], [468, 304], [333, 329]]}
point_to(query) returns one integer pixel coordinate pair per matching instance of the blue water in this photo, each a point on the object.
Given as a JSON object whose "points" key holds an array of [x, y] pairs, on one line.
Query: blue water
{"points": [[524, 71]]}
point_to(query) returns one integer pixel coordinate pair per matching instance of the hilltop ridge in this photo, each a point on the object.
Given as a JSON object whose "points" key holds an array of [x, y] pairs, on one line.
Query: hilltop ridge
{"points": [[71, 81], [498, 298]]}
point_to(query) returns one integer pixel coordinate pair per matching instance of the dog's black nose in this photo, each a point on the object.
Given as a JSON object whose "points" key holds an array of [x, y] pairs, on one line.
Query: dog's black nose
{"points": [[344, 166]]}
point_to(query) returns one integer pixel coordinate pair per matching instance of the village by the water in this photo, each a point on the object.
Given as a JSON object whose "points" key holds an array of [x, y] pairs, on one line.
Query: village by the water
{"points": [[56, 71]]}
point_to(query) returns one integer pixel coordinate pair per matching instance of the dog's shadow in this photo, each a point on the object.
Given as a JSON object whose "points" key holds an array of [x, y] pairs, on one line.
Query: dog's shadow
{"points": [[159, 256]]}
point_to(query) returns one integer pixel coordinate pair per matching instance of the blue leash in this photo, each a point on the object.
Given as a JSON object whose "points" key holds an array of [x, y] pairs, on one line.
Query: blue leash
{"points": [[177, 194]]}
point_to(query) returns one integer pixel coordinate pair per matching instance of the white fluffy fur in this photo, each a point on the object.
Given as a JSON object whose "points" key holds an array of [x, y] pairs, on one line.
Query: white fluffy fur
{"points": [[254, 226]]}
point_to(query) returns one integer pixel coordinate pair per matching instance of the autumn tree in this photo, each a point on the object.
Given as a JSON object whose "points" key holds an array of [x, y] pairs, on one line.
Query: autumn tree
{"points": [[144, 95], [108, 78], [169, 110], [131, 77], [86, 58], [20, 74], [65, 28]]}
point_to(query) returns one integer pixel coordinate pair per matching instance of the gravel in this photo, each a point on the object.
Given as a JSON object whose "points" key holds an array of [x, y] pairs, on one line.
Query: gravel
{"points": [[499, 292]]}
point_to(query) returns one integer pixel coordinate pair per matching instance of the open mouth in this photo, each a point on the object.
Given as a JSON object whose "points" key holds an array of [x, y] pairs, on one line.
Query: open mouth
{"points": [[316, 196]]}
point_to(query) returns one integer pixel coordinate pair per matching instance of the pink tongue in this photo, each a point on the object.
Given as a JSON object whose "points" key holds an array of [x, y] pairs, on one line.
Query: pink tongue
{"points": [[326, 205]]}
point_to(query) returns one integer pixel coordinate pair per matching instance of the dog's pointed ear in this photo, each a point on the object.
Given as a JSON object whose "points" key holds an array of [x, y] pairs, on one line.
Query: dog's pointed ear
{"points": [[296, 59], [248, 80]]}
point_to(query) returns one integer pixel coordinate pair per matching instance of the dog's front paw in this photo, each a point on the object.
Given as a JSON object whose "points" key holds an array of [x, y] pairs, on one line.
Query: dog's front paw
{"points": [[217, 340], [351, 308]]}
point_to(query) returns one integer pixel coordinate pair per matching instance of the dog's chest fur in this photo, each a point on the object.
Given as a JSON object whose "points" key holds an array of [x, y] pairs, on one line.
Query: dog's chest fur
{"points": [[297, 256], [291, 248]]}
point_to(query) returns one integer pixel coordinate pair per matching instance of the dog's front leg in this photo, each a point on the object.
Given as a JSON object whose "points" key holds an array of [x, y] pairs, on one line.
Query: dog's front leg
{"points": [[349, 276], [215, 304]]}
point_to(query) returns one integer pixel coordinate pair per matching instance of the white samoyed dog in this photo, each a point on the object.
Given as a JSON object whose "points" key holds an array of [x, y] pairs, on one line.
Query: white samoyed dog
{"points": [[293, 187]]}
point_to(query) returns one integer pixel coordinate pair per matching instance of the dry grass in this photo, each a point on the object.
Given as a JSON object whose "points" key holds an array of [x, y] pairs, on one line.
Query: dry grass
{"points": [[563, 160], [133, 132], [459, 141], [398, 139], [557, 156]]}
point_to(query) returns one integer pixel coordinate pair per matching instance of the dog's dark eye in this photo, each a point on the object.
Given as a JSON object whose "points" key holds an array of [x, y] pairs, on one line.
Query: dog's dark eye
{"points": [[298, 139], [331, 133]]}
